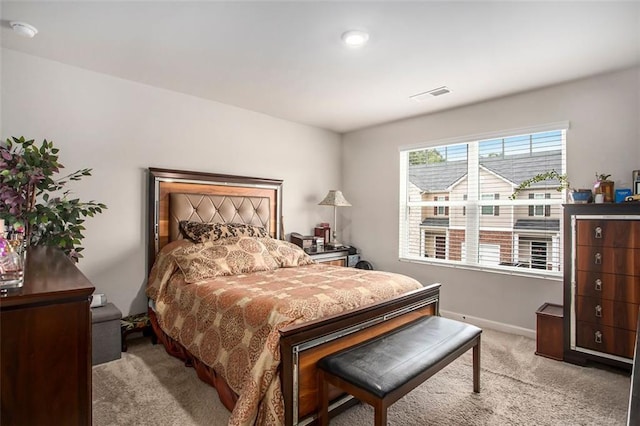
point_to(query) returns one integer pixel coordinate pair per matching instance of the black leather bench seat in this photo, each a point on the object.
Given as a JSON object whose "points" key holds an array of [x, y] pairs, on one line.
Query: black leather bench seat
{"points": [[382, 370], [384, 364]]}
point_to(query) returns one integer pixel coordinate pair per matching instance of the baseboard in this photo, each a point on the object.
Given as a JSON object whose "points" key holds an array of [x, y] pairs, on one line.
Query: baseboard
{"points": [[494, 325]]}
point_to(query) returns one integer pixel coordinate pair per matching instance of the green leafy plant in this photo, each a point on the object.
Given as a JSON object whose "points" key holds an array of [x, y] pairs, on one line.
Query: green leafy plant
{"points": [[32, 199], [563, 182]]}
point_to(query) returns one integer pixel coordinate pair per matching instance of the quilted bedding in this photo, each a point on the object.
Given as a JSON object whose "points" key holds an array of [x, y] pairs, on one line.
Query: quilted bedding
{"points": [[231, 323]]}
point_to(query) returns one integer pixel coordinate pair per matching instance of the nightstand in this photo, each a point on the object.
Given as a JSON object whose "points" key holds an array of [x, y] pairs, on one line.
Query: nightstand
{"points": [[337, 257]]}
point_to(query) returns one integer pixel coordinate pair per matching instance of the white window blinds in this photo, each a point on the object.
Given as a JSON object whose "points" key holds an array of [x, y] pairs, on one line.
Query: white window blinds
{"points": [[455, 205]]}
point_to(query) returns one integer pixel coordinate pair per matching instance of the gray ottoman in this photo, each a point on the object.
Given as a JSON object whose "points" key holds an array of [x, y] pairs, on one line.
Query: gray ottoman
{"points": [[105, 333]]}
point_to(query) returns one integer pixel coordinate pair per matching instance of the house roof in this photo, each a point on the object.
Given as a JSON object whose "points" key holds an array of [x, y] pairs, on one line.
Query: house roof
{"points": [[537, 225], [438, 177], [436, 221]]}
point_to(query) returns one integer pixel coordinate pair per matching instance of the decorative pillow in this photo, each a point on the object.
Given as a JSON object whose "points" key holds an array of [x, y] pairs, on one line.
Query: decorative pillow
{"points": [[286, 254], [231, 256], [199, 232], [163, 267]]}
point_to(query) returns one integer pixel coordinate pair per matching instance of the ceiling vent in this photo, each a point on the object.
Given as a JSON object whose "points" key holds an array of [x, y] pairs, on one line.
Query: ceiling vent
{"points": [[421, 97]]}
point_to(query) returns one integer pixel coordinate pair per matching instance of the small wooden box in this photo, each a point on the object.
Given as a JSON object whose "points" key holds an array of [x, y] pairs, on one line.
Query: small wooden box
{"points": [[549, 331]]}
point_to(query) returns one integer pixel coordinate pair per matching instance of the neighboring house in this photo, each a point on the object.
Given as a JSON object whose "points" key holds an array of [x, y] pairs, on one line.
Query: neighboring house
{"points": [[525, 235]]}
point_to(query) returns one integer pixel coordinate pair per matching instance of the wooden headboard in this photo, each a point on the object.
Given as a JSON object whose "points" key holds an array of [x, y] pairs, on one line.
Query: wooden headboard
{"points": [[176, 195]]}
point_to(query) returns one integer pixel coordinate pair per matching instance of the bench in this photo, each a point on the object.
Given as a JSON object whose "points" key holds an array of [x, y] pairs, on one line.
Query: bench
{"points": [[382, 370]]}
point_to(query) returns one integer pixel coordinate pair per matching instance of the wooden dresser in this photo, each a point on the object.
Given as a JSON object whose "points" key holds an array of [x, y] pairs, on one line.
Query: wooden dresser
{"points": [[601, 282], [45, 344]]}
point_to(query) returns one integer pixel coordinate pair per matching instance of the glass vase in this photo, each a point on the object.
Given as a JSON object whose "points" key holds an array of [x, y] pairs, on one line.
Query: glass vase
{"points": [[12, 262]]}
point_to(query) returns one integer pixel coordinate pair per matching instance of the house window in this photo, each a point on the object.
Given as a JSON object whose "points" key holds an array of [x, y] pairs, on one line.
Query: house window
{"points": [[534, 252], [539, 254], [455, 204], [434, 244], [540, 210], [490, 210], [441, 210], [441, 246]]}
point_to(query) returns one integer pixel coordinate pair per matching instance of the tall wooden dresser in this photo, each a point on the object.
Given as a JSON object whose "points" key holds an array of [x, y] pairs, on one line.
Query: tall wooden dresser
{"points": [[45, 326], [601, 282]]}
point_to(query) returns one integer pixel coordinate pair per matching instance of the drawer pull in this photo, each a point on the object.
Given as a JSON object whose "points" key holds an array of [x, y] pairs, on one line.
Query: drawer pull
{"points": [[598, 284], [597, 259], [598, 232], [598, 337], [599, 311]]}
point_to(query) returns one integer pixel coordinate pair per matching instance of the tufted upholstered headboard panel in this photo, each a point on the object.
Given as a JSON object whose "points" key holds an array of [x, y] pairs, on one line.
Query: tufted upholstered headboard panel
{"points": [[175, 195], [209, 208]]}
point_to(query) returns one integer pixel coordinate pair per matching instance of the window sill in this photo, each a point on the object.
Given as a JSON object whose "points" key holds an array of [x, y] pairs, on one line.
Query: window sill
{"points": [[529, 273]]}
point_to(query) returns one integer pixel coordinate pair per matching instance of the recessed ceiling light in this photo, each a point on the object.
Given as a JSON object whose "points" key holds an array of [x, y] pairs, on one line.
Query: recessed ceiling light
{"points": [[24, 29], [355, 38], [420, 97]]}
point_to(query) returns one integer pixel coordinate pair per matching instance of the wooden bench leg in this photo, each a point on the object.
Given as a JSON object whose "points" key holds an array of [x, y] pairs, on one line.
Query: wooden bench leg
{"points": [[476, 367], [380, 413], [323, 393]]}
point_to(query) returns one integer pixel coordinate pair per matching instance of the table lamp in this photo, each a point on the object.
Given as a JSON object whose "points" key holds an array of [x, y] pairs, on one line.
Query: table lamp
{"points": [[336, 199]]}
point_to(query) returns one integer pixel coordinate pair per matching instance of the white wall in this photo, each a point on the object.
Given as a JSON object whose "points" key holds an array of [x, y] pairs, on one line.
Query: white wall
{"points": [[604, 137], [120, 128]]}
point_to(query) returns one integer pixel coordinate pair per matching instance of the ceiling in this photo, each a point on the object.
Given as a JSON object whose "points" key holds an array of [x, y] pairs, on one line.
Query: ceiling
{"points": [[286, 59]]}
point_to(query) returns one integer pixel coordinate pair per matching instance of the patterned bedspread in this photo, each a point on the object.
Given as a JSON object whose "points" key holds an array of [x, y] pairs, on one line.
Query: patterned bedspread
{"points": [[231, 323]]}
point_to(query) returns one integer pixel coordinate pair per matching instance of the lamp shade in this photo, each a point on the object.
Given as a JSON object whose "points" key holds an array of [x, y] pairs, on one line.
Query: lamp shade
{"points": [[335, 198]]}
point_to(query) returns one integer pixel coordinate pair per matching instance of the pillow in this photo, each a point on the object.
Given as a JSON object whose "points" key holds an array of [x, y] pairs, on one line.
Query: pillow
{"points": [[286, 254], [199, 232], [163, 267], [231, 256]]}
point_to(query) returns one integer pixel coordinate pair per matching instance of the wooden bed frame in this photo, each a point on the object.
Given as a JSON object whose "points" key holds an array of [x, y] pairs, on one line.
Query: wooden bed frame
{"points": [[302, 345]]}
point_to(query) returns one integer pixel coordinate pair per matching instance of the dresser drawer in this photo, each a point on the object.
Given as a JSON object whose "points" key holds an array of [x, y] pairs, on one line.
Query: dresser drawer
{"points": [[608, 233], [609, 286], [605, 339], [607, 312], [624, 261]]}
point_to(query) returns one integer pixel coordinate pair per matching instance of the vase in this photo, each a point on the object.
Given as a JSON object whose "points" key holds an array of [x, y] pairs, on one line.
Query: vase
{"points": [[604, 187], [12, 263], [580, 196]]}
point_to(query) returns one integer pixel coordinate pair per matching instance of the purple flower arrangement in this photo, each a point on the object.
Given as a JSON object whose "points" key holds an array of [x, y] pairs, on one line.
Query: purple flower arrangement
{"points": [[33, 199]]}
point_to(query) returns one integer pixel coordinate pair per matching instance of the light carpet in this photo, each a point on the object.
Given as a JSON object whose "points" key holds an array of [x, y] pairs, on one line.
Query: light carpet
{"points": [[149, 387]]}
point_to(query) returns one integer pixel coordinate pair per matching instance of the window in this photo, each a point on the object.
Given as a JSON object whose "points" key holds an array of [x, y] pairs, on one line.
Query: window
{"points": [[441, 210], [441, 247], [491, 210], [540, 210], [434, 243], [533, 252], [455, 205]]}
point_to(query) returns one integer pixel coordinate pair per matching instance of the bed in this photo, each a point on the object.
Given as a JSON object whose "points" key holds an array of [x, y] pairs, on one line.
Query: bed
{"points": [[276, 383]]}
